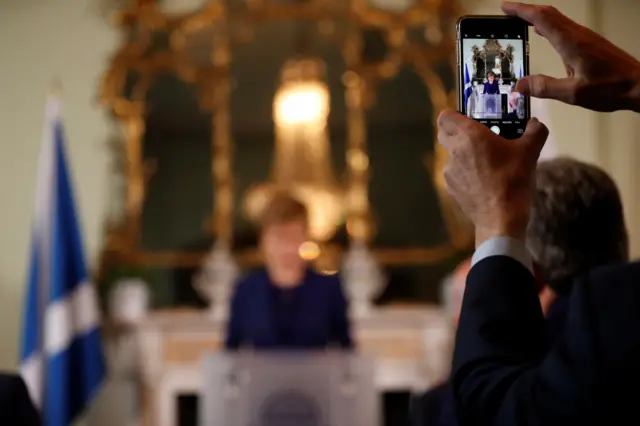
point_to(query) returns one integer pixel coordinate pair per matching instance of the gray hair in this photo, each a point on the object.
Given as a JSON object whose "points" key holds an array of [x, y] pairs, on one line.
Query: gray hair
{"points": [[577, 221]]}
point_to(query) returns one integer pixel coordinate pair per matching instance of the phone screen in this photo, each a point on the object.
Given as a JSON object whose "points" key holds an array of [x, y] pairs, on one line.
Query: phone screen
{"points": [[492, 57]]}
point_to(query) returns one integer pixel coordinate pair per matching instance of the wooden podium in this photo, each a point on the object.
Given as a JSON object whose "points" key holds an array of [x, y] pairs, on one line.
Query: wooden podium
{"points": [[410, 347]]}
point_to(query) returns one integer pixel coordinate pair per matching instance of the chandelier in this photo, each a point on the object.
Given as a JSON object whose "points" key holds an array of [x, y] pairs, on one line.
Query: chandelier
{"points": [[301, 164]]}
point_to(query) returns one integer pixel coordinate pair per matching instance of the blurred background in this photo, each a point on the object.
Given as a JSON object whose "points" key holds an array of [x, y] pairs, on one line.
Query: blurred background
{"points": [[184, 116]]}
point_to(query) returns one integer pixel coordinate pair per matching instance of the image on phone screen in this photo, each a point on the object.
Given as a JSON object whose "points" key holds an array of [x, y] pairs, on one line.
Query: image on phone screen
{"points": [[492, 60]]}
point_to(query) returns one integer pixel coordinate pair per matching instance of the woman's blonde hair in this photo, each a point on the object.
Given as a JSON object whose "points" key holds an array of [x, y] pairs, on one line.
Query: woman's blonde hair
{"points": [[283, 208]]}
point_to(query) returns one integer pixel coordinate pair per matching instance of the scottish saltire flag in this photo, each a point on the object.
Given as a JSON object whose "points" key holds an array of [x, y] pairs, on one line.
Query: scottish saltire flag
{"points": [[468, 90], [61, 359]]}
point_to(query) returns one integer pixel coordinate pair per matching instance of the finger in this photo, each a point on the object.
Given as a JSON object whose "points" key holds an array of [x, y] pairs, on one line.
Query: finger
{"points": [[449, 179], [545, 87], [443, 138], [451, 143], [535, 137], [528, 12], [450, 121], [548, 22]]}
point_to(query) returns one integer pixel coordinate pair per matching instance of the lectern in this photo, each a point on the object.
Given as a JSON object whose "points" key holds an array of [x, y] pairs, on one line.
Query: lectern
{"points": [[489, 106], [289, 389]]}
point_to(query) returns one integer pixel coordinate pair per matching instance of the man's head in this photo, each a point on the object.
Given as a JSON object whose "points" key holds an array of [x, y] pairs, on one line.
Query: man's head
{"points": [[491, 76], [577, 221], [283, 230], [513, 100]]}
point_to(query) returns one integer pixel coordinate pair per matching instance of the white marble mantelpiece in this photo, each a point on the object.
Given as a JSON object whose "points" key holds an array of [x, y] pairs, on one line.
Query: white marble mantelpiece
{"points": [[411, 346]]}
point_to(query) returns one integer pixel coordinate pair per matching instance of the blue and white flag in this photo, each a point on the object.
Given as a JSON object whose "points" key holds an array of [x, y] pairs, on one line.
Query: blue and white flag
{"points": [[61, 359], [468, 90]]}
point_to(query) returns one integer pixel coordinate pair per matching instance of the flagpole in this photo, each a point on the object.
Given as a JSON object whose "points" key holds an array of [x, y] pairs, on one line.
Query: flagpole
{"points": [[52, 111], [47, 156], [53, 103], [55, 89]]}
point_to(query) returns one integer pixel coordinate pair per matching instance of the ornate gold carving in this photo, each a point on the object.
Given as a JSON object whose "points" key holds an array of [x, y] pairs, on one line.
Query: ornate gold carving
{"points": [[492, 48], [141, 19]]}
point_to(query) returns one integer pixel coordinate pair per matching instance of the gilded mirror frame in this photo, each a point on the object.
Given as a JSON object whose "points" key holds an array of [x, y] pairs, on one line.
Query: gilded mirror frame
{"points": [[123, 235]]}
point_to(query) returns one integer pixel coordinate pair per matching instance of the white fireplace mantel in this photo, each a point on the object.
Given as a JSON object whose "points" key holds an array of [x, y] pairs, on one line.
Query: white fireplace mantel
{"points": [[410, 345]]}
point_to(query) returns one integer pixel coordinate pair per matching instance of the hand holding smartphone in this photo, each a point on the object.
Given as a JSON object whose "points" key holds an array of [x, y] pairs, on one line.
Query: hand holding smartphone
{"points": [[492, 55]]}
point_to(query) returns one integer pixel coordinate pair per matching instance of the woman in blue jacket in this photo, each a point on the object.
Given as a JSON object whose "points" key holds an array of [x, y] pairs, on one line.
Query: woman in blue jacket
{"points": [[287, 305]]}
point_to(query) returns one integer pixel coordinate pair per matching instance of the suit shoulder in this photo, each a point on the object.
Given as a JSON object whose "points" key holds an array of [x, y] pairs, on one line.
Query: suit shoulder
{"points": [[498, 265], [15, 394], [615, 282], [437, 391], [12, 382], [620, 271], [10, 378]]}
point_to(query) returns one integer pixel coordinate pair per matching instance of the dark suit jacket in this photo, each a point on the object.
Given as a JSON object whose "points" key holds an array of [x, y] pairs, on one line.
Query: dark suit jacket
{"points": [[557, 317], [434, 407], [505, 373], [16, 407], [491, 88], [318, 319]]}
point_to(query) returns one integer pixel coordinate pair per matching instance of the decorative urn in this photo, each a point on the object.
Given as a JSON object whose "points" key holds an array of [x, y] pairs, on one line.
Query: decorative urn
{"points": [[129, 300], [363, 278], [216, 279]]}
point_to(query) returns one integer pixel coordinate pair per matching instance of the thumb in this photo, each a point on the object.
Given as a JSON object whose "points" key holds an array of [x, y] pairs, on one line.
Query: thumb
{"points": [[545, 87], [534, 137]]}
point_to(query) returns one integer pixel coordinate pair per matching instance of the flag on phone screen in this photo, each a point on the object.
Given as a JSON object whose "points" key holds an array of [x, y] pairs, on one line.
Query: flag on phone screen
{"points": [[467, 86]]}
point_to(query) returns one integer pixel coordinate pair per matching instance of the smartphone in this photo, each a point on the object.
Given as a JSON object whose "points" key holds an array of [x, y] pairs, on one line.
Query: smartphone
{"points": [[492, 54]]}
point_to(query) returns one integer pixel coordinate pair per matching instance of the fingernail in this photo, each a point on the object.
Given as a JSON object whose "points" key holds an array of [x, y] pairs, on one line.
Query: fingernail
{"points": [[522, 86]]}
